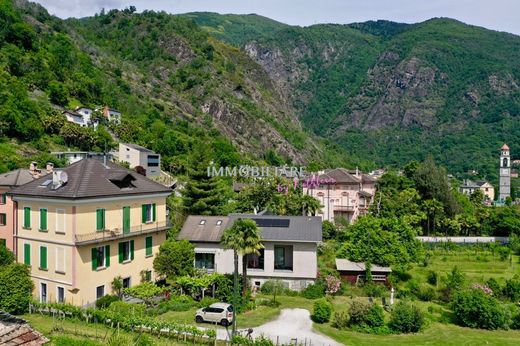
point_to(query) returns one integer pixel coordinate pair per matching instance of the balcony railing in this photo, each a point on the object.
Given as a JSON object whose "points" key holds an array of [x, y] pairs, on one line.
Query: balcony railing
{"points": [[344, 207], [118, 233]]}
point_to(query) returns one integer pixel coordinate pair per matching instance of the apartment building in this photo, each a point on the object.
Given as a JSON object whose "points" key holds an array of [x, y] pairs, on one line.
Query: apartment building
{"points": [[87, 224], [137, 155]]}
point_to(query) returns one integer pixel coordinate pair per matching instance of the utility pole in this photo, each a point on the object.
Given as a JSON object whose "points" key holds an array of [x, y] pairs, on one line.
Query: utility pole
{"points": [[235, 294]]}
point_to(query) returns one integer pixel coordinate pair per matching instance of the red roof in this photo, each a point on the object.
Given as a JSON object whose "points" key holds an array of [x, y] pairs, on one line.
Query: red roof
{"points": [[504, 147]]}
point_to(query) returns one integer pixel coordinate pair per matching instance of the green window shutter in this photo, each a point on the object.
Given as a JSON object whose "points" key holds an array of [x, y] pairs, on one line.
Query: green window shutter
{"points": [[149, 246], [43, 219], [94, 258], [100, 219], [4, 198], [153, 211], [131, 249], [43, 257], [27, 254], [27, 217], [107, 256], [143, 209], [120, 252]]}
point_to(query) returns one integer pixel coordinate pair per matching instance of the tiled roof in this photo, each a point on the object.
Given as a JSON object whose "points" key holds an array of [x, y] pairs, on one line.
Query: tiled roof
{"points": [[281, 228], [90, 178], [15, 331], [340, 175], [16, 178], [138, 147]]}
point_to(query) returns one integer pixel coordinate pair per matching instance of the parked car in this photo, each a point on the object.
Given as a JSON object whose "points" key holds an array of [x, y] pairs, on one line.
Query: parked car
{"points": [[216, 313]]}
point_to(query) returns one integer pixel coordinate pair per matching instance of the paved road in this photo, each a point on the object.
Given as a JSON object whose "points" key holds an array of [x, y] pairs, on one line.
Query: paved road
{"points": [[292, 325]]}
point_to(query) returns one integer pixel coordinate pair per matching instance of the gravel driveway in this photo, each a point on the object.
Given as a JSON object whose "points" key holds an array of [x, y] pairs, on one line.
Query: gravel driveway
{"points": [[292, 325]]}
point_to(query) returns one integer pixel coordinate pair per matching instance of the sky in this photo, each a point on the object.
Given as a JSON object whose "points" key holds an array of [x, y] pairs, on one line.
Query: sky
{"points": [[502, 15]]}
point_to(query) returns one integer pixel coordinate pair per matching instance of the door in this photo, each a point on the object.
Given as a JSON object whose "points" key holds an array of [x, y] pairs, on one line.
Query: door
{"points": [[126, 220]]}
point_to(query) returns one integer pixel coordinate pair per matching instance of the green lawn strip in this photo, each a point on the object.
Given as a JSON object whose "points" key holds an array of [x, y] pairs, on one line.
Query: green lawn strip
{"points": [[79, 330]]}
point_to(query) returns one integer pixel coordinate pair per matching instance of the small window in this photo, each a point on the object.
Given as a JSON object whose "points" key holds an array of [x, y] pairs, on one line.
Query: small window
{"points": [[126, 282], [3, 219], [219, 222], [3, 198], [126, 251], [100, 291], [205, 261], [43, 292], [148, 213], [202, 222], [60, 295]]}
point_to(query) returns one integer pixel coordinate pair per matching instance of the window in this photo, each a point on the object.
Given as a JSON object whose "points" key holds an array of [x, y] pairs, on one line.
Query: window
{"points": [[43, 257], [202, 222], [43, 293], [3, 198], [3, 219], [60, 260], [27, 217], [148, 244], [153, 160], [126, 251], [60, 294], [100, 257], [60, 221], [27, 254], [100, 219], [205, 261], [148, 211], [100, 291], [283, 257], [126, 283], [255, 261], [43, 219]]}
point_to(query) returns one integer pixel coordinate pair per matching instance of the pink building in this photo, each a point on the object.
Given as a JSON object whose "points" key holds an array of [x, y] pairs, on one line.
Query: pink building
{"points": [[342, 193], [7, 207]]}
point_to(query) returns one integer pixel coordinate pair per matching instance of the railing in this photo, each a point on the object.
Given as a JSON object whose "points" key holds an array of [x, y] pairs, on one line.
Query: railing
{"points": [[344, 207], [118, 233]]}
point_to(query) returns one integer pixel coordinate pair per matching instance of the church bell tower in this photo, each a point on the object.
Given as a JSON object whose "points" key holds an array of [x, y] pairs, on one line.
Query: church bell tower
{"points": [[504, 174]]}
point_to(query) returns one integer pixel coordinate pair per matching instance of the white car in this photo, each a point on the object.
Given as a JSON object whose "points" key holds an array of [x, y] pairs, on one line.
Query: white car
{"points": [[216, 313]]}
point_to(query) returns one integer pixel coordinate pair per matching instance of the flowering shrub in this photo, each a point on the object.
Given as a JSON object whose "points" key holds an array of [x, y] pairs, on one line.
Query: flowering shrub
{"points": [[483, 288], [333, 284]]}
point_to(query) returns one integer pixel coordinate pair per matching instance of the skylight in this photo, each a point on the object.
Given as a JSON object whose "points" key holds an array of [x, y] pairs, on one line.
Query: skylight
{"points": [[219, 222], [202, 222], [46, 183]]}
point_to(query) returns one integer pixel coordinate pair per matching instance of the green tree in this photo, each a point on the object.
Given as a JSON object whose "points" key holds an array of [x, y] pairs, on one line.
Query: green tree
{"points": [[58, 93], [6, 256], [15, 288], [243, 238], [175, 258]]}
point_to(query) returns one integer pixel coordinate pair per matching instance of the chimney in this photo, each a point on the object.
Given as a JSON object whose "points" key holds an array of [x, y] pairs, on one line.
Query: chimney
{"points": [[33, 166], [50, 167]]}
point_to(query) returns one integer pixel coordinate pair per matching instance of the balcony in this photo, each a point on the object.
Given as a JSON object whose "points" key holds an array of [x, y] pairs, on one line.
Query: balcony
{"points": [[117, 233], [343, 207]]}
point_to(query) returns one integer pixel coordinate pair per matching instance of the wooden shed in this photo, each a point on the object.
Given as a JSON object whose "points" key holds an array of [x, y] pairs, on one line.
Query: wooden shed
{"points": [[355, 272]]}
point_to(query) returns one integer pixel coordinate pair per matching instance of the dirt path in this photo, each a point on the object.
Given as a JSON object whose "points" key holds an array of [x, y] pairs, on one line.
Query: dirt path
{"points": [[292, 325]]}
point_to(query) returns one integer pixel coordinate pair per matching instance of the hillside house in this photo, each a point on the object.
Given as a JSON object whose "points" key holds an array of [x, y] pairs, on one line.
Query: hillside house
{"points": [[469, 186], [87, 224], [289, 254], [75, 156], [343, 194], [111, 114], [137, 155]]}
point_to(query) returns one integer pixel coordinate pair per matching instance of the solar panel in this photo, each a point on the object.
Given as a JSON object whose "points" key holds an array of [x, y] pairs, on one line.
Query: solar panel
{"points": [[46, 182], [284, 223]]}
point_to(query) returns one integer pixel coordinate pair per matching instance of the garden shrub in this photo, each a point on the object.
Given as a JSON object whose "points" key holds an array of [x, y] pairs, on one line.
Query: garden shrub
{"points": [[515, 321], [363, 313], [375, 316], [127, 309], [145, 290], [431, 278], [406, 318], [177, 303], [207, 301], [504, 252], [315, 291], [375, 290], [494, 286], [322, 311], [512, 288], [341, 320], [426, 293], [105, 301], [476, 309], [15, 288], [269, 302]]}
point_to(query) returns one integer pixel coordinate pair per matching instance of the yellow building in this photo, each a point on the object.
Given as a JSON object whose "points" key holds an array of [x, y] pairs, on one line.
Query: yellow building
{"points": [[87, 224]]}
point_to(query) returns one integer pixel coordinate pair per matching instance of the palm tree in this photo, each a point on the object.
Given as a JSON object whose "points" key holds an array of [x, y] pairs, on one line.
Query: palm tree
{"points": [[243, 238]]}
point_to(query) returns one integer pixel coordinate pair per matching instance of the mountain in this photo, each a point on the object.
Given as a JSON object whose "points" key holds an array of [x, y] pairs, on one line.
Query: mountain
{"points": [[392, 92], [178, 88]]}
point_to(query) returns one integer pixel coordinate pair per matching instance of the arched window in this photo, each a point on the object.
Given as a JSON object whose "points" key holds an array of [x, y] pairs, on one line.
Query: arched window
{"points": [[505, 162]]}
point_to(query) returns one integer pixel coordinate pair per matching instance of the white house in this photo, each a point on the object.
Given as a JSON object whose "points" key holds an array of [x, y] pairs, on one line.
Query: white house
{"points": [[137, 155], [75, 117], [75, 156], [289, 254], [469, 186], [112, 115]]}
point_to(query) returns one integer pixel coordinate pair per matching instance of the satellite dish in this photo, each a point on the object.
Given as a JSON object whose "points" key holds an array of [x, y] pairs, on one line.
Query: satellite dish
{"points": [[64, 177]]}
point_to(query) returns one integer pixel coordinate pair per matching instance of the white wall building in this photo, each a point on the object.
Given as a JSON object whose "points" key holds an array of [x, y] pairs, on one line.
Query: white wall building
{"points": [[75, 156], [137, 155], [289, 254]]}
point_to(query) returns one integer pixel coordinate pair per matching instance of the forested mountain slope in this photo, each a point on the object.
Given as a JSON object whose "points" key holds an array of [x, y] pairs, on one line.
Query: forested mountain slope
{"points": [[394, 92], [178, 89]]}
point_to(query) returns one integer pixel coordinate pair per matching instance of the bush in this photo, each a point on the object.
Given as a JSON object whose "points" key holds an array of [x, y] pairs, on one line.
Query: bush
{"points": [[269, 302], [146, 290], [431, 278], [127, 310], [105, 301], [475, 309], [341, 320], [177, 303], [322, 311], [494, 286], [512, 288], [207, 301], [315, 291], [375, 316], [363, 313], [504, 252], [426, 293], [374, 290], [406, 318], [15, 288], [515, 322]]}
